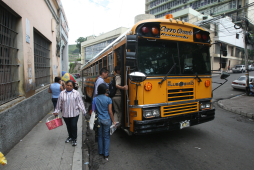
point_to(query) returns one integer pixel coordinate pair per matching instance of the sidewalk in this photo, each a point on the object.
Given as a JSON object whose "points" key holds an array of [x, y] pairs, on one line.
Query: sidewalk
{"points": [[242, 105], [43, 149]]}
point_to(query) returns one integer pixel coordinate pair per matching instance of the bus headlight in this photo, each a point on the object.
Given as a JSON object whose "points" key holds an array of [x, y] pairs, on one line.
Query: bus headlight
{"points": [[207, 105], [150, 113], [204, 106]]}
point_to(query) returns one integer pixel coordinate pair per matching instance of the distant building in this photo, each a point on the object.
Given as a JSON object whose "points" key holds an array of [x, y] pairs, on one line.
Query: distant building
{"points": [[222, 31], [63, 44], [160, 8], [93, 45], [33, 51]]}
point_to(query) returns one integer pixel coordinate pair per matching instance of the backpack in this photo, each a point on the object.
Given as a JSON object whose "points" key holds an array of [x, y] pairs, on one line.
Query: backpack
{"points": [[112, 87]]}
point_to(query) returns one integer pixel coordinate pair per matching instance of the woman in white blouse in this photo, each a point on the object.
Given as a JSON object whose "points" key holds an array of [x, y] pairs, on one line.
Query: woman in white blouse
{"points": [[70, 103]]}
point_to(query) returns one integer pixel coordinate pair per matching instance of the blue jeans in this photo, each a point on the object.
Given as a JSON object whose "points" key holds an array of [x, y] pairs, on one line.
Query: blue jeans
{"points": [[54, 100], [104, 136]]}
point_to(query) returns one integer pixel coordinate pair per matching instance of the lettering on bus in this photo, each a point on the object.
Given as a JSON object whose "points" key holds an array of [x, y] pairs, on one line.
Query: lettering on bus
{"points": [[181, 83], [178, 33]]}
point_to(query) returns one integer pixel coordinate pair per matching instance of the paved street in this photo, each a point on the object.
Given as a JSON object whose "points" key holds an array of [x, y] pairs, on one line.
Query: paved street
{"points": [[224, 143], [226, 91]]}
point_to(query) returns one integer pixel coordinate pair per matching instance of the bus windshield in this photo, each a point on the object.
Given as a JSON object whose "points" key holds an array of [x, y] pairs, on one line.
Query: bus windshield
{"points": [[157, 57]]}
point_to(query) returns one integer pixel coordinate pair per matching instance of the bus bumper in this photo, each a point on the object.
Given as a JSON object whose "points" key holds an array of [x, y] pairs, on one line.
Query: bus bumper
{"points": [[172, 122]]}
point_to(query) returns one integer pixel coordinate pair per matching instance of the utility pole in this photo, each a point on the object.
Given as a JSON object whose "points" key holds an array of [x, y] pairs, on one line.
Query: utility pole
{"points": [[245, 28], [220, 58]]}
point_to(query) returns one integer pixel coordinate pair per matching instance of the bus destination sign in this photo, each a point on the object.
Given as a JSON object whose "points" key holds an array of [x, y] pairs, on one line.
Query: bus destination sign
{"points": [[181, 34]]}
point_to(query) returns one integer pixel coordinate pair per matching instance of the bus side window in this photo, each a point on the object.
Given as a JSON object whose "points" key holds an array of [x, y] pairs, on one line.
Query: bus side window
{"points": [[92, 70], [118, 57], [100, 64], [96, 68], [110, 64], [105, 62]]}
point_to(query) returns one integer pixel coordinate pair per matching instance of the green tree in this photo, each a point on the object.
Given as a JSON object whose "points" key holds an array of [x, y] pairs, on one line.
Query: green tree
{"points": [[79, 41]]}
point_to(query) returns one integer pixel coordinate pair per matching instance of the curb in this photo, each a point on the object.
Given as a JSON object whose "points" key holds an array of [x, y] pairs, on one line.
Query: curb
{"points": [[249, 115], [85, 148]]}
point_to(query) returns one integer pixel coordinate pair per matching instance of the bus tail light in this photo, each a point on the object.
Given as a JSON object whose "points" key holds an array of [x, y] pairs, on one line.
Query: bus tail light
{"points": [[145, 30], [148, 86], [150, 29], [155, 30], [201, 36], [207, 83], [204, 36], [198, 36]]}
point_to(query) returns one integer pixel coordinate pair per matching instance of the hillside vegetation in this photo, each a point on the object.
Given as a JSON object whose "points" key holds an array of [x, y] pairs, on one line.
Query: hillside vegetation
{"points": [[73, 53]]}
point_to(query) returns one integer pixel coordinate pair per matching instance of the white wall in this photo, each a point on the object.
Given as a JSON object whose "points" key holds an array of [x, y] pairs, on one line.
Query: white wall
{"points": [[227, 33]]}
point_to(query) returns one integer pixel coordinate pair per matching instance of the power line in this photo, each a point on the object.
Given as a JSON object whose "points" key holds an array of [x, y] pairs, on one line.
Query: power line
{"points": [[246, 6]]}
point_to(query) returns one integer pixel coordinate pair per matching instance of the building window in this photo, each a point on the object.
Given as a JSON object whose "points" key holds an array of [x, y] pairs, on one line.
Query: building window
{"points": [[41, 60], [232, 51], [9, 83], [237, 36]]}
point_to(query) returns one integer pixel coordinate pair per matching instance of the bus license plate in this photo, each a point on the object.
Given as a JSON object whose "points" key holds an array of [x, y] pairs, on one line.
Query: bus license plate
{"points": [[184, 124]]}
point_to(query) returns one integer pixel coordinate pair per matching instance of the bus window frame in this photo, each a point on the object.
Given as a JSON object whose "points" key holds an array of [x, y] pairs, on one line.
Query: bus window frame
{"points": [[111, 64]]}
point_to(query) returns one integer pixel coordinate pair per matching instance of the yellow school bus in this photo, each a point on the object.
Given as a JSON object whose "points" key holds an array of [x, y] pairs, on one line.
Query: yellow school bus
{"points": [[166, 64]]}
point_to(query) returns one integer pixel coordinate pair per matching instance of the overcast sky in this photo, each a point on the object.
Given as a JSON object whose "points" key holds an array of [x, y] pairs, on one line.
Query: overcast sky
{"points": [[88, 17]]}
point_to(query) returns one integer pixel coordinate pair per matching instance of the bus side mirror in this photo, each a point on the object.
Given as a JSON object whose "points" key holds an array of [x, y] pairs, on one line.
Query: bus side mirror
{"points": [[131, 50], [224, 75], [137, 77]]}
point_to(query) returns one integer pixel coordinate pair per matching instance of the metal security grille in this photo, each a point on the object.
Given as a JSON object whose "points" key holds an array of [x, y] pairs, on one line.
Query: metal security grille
{"points": [[41, 60], [9, 83], [172, 110]]}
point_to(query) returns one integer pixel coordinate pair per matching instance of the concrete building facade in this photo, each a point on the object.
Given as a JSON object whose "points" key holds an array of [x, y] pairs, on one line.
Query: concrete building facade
{"points": [[222, 31], [93, 45], [30, 32], [160, 8]]}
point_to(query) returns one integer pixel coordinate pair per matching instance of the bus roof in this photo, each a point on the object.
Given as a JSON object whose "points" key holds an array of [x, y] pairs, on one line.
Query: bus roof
{"points": [[106, 48], [176, 22]]}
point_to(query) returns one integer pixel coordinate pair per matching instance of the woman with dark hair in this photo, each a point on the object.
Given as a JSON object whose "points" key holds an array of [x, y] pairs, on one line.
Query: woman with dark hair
{"points": [[103, 107], [56, 88], [70, 102]]}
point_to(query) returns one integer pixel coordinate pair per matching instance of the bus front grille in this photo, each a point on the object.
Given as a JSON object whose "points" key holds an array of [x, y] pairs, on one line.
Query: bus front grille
{"points": [[179, 109], [180, 94]]}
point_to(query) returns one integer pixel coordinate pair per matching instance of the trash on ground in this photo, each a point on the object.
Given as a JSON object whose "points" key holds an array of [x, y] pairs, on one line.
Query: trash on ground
{"points": [[86, 163], [197, 148], [3, 160]]}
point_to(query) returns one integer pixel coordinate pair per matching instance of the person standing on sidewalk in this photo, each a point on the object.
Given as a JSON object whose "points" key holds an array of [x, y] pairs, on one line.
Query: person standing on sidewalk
{"points": [[70, 102], [117, 98], [103, 107], [55, 89], [100, 80]]}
